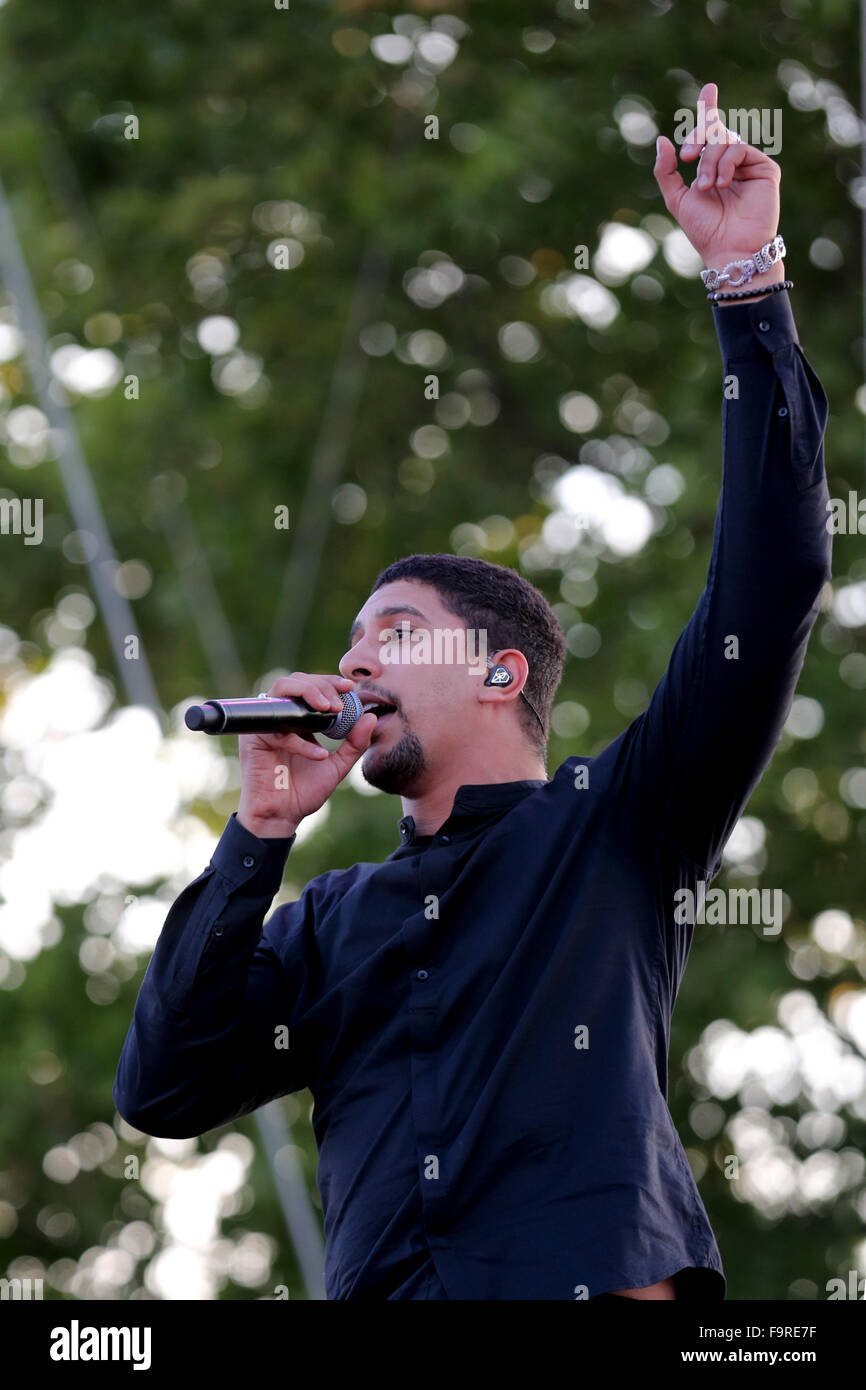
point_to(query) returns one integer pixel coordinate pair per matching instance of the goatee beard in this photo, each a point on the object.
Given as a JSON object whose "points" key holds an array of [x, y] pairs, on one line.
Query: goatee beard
{"points": [[398, 769]]}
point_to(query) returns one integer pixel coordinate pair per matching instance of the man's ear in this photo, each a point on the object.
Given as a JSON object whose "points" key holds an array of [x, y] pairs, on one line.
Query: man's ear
{"points": [[496, 687]]}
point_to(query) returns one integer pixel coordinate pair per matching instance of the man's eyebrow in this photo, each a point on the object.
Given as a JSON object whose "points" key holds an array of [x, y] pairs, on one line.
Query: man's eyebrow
{"points": [[388, 613]]}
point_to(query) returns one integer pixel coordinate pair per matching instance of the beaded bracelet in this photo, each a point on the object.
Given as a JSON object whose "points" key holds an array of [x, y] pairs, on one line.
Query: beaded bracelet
{"points": [[750, 294]]}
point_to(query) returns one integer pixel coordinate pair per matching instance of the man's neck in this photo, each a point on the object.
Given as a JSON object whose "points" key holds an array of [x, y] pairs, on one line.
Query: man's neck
{"points": [[433, 806]]}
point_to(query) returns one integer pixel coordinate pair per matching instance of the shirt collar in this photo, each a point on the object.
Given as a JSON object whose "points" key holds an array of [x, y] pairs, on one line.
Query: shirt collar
{"points": [[473, 804]]}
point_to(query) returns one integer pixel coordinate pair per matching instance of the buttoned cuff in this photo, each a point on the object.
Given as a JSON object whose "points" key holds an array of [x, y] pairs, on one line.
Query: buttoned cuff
{"points": [[748, 330], [241, 857]]}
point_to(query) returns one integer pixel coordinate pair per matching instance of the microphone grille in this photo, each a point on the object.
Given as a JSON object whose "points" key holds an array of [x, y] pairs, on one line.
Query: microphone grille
{"points": [[348, 717]]}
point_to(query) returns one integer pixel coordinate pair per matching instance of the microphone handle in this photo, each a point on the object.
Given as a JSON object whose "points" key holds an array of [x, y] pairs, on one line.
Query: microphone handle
{"points": [[269, 715]]}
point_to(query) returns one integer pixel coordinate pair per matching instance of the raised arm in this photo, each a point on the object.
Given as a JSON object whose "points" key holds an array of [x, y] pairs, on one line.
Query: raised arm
{"points": [[690, 762]]}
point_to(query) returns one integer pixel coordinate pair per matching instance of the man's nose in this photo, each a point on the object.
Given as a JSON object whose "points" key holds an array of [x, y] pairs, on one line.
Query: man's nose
{"points": [[363, 661]]}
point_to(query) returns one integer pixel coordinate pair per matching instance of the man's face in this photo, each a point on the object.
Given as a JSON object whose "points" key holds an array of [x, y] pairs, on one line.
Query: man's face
{"points": [[435, 709]]}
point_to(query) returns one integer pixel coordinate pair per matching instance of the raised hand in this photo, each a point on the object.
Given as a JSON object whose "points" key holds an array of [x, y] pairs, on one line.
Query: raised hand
{"points": [[732, 207]]}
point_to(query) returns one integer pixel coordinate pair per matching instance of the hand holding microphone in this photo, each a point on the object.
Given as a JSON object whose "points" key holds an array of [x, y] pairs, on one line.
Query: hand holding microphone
{"points": [[266, 714], [287, 775]]}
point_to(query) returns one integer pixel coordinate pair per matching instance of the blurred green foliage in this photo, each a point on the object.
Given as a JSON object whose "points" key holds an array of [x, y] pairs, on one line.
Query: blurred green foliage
{"points": [[265, 125]]}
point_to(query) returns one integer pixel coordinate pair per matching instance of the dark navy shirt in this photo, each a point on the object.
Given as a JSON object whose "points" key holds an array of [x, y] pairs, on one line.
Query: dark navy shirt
{"points": [[483, 1019]]}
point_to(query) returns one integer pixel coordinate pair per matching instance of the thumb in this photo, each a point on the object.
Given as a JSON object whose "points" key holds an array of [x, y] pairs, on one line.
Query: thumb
{"points": [[667, 175], [356, 743]]}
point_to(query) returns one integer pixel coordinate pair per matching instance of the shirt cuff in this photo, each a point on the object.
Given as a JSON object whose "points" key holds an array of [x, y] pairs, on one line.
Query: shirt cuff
{"points": [[740, 331], [242, 856]]}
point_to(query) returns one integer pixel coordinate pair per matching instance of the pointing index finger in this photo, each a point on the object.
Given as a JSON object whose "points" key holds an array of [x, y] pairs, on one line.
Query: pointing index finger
{"points": [[708, 115], [708, 109]]}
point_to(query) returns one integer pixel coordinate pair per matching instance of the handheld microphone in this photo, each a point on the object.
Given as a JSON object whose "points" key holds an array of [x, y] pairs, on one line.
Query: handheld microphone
{"points": [[266, 715]]}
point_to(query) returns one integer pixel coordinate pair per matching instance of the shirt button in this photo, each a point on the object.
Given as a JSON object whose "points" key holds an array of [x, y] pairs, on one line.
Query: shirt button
{"points": [[783, 410], [764, 326], [421, 975], [444, 839], [248, 861], [217, 931]]}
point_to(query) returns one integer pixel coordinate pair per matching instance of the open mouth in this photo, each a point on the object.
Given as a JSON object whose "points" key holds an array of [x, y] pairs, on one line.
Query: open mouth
{"points": [[380, 708]]}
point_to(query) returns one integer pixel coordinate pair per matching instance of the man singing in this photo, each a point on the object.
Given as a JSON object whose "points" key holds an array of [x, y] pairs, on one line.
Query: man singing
{"points": [[483, 1019]]}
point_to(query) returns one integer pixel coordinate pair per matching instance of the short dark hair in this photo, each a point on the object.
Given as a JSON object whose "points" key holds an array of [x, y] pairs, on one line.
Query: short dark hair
{"points": [[514, 614]]}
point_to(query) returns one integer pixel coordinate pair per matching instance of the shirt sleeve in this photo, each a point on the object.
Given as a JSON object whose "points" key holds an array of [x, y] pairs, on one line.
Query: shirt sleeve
{"points": [[214, 1033], [690, 761]]}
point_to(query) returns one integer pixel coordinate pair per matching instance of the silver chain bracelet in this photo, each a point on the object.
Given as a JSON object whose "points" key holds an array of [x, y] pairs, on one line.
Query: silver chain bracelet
{"points": [[755, 264]]}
